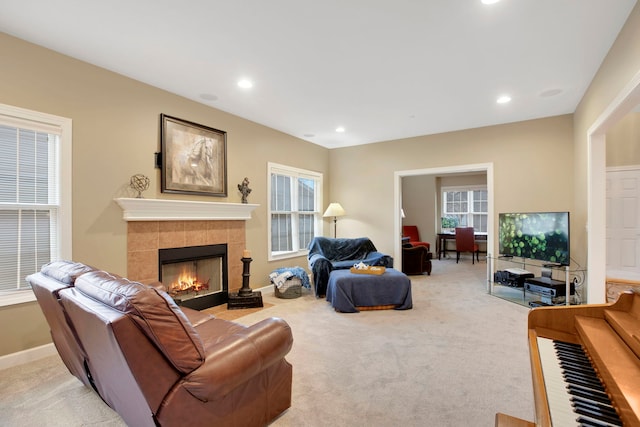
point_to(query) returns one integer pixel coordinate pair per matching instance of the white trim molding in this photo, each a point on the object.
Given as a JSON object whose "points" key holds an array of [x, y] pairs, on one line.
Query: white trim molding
{"points": [[12, 360], [623, 168], [16, 297], [134, 209]]}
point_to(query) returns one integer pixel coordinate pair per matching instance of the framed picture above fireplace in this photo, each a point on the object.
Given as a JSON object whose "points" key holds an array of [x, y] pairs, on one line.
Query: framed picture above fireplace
{"points": [[194, 158]]}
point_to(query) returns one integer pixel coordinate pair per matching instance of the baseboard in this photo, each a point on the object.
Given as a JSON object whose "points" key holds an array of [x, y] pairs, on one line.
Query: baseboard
{"points": [[265, 289], [26, 356]]}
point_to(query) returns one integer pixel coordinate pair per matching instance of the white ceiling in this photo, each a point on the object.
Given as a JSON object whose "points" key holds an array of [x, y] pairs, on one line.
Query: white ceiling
{"points": [[382, 69]]}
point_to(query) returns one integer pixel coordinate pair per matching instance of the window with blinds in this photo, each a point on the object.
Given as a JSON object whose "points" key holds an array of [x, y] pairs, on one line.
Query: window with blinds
{"points": [[30, 195], [294, 217]]}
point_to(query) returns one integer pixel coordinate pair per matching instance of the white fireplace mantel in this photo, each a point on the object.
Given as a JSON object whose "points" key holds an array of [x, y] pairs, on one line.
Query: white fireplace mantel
{"points": [[134, 209]]}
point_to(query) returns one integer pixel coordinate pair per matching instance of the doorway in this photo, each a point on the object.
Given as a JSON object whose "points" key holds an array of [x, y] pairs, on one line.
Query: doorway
{"points": [[486, 168]]}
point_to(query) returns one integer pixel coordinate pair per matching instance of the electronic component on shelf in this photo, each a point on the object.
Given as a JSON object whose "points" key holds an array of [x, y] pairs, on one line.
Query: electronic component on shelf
{"points": [[512, 277], [518, 271], [548, 287]]}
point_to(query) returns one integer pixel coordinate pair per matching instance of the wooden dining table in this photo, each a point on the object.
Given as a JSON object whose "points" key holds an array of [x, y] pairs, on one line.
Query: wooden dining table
{"points": [[441, 242]]}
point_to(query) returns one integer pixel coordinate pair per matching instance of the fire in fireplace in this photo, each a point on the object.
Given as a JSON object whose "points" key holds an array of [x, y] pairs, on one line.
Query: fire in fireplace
{"points": [[195, 276], [188, 281]]}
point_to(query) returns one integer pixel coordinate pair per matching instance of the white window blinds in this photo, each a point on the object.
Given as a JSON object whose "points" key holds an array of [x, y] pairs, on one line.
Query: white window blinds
{"points": [[294, 217], [29, 198]]}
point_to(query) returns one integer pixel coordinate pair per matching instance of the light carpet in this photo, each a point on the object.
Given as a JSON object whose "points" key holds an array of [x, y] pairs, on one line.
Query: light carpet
{"points": [[221, 312], [455, 359]]}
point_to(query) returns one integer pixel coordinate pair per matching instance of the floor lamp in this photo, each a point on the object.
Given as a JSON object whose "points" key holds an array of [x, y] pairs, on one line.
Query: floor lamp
{"points": [[334, 210]]}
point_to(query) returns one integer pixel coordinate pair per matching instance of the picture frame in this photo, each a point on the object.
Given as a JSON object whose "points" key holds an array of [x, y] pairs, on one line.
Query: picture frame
{"points": [[193, 157]]}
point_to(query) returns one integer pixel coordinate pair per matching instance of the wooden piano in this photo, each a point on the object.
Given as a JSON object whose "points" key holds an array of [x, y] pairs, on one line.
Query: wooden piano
{"points": [[585, 363]]}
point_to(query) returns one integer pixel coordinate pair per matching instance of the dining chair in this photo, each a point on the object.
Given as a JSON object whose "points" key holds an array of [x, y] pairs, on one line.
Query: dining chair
{"points": [[465, 242]]}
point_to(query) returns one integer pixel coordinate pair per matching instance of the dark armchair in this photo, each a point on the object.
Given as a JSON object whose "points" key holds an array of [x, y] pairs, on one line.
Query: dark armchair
{"points": [[466, 242], [326, 255], [416, 260]]}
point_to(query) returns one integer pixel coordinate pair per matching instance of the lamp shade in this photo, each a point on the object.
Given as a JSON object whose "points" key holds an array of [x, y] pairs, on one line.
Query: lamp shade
{"points": [[334, 210]]}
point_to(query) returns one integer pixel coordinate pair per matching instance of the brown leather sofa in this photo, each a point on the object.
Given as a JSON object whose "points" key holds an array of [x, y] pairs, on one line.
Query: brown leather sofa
{"points": [[159, 364]]}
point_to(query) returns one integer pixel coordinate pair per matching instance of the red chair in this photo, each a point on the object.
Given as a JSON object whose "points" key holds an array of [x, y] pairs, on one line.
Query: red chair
{"points": [[466, 242], [411, 231]]}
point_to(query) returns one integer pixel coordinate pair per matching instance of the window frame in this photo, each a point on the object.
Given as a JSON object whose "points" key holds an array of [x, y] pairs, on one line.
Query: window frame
{"points": [[470, 201], [295, 173], [21, 117]]}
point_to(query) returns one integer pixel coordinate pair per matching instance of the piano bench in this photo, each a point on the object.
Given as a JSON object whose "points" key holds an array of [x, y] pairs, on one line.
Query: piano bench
{"points": [[503, 420]]}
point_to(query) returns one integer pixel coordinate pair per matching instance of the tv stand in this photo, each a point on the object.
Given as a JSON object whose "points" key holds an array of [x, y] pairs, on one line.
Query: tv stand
{"points": [[551, 292]]}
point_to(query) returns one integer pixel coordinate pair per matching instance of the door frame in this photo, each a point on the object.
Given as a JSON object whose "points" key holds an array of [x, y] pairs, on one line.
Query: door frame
{"points": [[622, 104], [397, 198]]}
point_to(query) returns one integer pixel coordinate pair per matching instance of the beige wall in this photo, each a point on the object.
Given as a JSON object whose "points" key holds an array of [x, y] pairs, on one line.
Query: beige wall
{"points": [[623, 142], [455, 180], [532, 164], [115, 135], [619, 67], [420, 206], [24, 327], [538, 164]]}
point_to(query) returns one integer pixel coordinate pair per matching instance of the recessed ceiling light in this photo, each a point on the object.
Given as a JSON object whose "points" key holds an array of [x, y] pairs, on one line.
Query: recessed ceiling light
{"points": [[340, 129], [550, 92], [489, 1], [208, 97], [245, 84], [503, 99]]}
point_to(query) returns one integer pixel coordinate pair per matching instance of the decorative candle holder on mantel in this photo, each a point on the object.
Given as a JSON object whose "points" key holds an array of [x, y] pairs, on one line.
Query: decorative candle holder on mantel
{"points": [[245, 297]]}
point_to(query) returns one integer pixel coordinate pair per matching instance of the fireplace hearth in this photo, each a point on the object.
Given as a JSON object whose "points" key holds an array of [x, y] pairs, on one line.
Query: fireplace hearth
{"points": [[195, 276]]}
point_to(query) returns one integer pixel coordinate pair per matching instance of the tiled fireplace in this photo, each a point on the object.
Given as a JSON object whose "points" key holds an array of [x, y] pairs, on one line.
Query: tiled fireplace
{"points": [[153, 225]]}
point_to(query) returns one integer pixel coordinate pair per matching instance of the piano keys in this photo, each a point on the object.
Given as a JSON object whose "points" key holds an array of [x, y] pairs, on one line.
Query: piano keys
{"points": [[575, 394], [585, 365]]}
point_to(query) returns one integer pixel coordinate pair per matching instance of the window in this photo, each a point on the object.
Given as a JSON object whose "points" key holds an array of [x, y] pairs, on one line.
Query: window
{"points": [[35, 185], [469, 206], [294, 217]]}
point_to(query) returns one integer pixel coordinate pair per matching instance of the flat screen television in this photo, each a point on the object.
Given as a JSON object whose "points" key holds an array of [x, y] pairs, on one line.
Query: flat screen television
{"points": [[542, 236]]}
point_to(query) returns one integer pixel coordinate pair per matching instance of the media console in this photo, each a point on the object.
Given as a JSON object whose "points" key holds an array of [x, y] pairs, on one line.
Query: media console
{"points": [[534, 279]]}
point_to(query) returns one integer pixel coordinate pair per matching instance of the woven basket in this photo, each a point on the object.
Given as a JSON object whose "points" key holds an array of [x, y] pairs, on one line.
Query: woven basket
{"points": [[292, 288]]}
